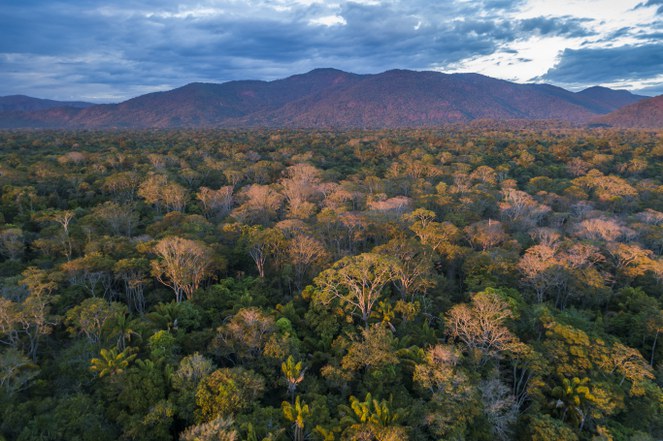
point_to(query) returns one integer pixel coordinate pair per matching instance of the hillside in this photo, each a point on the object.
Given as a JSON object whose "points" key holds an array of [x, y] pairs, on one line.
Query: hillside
{"points": [[22, 103], [605, 100], [646, 114]]}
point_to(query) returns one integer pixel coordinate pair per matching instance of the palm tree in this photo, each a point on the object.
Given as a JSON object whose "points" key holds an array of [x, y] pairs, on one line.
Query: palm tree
{"points": [[123, 328], [110, 362], [294, 374], [296, 413]]}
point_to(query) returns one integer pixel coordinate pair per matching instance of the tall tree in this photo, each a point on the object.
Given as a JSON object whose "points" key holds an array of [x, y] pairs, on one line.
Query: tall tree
{"points": [[481, 326], [358, 281], [182, 265]]}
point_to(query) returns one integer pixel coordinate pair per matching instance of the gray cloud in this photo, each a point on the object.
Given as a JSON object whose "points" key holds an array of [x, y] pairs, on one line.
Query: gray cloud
{"points": [[559, 26], [607, 65], [657, 3]]}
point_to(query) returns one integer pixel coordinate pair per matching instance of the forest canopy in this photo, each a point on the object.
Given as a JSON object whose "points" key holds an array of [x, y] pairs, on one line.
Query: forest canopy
{"points": [[474, 283]]}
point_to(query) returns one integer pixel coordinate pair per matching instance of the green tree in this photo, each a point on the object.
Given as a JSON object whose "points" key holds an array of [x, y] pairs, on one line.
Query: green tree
{"points": [[92, 318], [226, 392], [296, 413], [372, 419], [111, 362], [16, 370], [191, 371], [293, 373], [357, 281]]}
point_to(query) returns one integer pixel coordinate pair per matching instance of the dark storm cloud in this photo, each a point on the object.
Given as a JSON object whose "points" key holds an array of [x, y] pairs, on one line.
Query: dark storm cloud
{"points": [[607, 64]]}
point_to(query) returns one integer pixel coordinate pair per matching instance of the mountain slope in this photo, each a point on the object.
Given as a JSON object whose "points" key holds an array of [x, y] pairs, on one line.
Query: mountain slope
{"points": [[646, 114], [332, 98], [22, 103], [604, 100], [406, 98]]}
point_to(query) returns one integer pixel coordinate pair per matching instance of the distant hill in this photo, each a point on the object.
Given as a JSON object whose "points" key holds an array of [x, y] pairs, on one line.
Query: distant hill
{"points": [[605, 100], [22, 103], [334, 99], [646, 114]]}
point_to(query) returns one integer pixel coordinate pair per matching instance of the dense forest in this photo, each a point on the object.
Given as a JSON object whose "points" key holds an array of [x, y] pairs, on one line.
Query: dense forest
{"points": [[469, 283]]}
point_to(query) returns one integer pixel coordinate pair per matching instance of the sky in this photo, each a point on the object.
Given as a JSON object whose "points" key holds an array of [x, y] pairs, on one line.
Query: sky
{"points": [[109, 51]]}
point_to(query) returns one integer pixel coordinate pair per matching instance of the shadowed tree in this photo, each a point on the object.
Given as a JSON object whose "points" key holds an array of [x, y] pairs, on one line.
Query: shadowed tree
{"points": [[30, 318], [304, 252], [244, 335], [91, 271], [91, 317], [16, 371], [452, 400], [133, 275], [12, 243]]}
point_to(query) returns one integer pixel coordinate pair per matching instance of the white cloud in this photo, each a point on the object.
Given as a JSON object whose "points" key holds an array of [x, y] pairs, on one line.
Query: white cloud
{"points": [[519, 61], [328, 20], [197, 12]]}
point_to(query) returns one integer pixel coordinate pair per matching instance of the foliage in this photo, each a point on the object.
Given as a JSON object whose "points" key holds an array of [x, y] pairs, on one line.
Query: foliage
{"points": [[467, 283]]}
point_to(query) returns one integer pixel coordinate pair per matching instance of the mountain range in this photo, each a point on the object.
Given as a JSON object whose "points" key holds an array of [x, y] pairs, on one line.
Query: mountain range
{"points": [[330, 98]]}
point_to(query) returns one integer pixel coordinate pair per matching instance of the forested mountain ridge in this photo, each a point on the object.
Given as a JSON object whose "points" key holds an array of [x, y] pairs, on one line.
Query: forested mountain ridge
{"points": [[645, 114], [329, 98], [22, 103], [476, 284]]}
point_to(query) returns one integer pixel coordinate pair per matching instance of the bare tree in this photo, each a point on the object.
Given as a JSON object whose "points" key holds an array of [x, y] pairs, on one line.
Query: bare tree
{"points": [[182, 265], [599, 229], [261, 204], [480, 326], [120, 218], [132, 273], [499, 407], [300, 186], [64, 219], [486, 234], [304, 252], [519, 207], [543, 269], [216, 202]]}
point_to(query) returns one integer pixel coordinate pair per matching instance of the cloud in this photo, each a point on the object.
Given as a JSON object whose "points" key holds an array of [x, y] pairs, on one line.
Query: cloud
{"points": [[607, 65], [555, 26], [64, 48], [657, 3]]}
